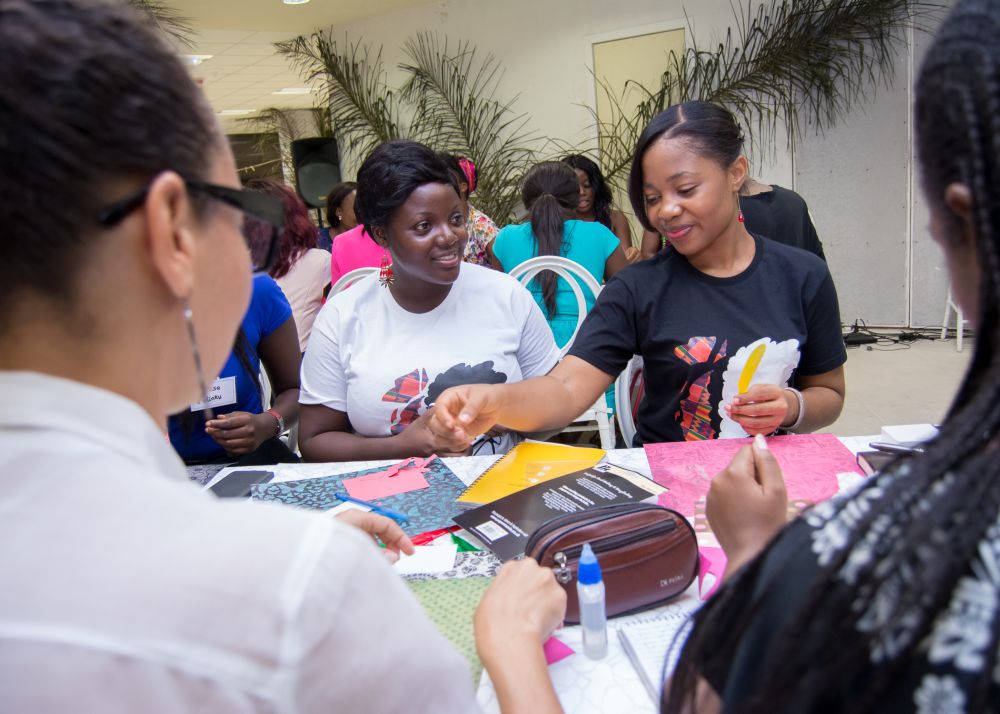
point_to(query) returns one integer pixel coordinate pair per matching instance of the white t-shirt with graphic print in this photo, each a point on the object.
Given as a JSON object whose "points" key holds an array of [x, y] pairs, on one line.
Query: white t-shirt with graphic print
{"points": [[384, 366]]}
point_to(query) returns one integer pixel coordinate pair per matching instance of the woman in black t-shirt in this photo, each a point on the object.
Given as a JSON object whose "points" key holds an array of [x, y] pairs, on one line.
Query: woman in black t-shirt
{"points": [[887, 600], [739, 335]]}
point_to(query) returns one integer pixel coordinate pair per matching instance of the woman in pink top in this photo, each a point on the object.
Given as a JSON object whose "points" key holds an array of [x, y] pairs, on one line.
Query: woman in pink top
{"points": [[355, 249]]}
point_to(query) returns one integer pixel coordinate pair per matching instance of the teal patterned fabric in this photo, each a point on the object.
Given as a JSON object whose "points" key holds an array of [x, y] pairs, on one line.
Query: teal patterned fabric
{"points": [[427, 508]]}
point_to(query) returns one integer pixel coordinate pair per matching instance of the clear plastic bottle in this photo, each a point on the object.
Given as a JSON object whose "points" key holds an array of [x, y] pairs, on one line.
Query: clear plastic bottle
{"points": [[593, 614]]}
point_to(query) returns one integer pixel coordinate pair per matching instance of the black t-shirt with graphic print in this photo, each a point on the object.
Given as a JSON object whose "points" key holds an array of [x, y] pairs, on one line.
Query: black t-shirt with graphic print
{"points": [[687, 325]]}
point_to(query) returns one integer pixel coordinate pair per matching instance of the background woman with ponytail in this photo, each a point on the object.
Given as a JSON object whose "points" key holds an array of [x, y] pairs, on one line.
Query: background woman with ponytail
{"points": [[551, 194]]}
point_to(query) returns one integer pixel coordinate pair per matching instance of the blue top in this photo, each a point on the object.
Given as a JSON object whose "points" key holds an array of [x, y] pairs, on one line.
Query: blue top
{"points": [[268, 311], [585, 242]]}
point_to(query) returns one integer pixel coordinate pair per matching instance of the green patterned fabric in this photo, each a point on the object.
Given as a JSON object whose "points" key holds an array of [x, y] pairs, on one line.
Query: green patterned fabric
{"points": [[450, 604]]}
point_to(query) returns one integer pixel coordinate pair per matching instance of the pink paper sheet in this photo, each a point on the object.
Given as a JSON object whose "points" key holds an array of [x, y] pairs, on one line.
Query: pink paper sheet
{"points": [[556, 650], [382, 485], [810, 463]]}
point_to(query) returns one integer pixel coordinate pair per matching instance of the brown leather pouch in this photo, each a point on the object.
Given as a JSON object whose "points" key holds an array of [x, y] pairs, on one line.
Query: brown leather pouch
{"points": [[648, 554]]}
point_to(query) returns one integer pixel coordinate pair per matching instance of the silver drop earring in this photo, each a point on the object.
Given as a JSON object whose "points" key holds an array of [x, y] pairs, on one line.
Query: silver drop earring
{"points": [[189, 319]]}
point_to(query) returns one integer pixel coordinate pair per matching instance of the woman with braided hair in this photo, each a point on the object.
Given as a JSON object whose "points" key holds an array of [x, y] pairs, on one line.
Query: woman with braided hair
{"points": [[889, 599]]}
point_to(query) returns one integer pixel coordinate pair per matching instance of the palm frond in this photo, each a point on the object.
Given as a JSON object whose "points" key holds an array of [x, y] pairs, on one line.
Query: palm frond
{"points": [[364, 112], [787, 63], [168, 20], [457, 92]]}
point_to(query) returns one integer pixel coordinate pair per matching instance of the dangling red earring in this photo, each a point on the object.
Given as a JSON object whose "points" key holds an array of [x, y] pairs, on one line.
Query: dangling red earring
{"points": [[385, 276], [741, 217]]}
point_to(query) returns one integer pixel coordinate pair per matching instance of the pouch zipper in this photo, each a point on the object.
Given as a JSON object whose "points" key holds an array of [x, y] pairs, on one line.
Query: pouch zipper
{"points": [[585, 518], [564, 574]]}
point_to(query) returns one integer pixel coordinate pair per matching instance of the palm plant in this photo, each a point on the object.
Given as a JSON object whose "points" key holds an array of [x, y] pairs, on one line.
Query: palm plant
{"points": [[449, 102], [457, 92], [364, 112], [167, 20], [790, 63]]}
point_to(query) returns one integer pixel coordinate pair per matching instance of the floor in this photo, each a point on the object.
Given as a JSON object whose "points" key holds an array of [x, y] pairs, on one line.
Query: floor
{"points": [[899, 384]]}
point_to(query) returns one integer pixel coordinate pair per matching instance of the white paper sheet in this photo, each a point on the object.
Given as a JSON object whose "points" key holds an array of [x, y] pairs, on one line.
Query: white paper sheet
{"points": [[429, 559]]}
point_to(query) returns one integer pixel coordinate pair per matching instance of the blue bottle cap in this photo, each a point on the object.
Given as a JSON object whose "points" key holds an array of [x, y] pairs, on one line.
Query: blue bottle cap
{"points": [[589, 572]]}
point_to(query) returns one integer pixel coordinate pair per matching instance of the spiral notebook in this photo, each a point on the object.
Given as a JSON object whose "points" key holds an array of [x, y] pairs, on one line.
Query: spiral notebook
{"points": [[527, 464]]}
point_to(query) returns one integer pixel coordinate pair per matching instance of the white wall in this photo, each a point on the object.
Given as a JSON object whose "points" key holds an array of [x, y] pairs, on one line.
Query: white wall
{"points": [[857, 178]]}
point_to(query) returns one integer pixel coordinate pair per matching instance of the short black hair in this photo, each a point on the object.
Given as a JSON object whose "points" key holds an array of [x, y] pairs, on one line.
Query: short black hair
{"points": [[336, 197], [710, 128], [389, 175]]}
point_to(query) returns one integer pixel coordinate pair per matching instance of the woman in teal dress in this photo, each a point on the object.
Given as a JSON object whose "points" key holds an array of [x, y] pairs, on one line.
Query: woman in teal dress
{"points": [[551, 194]]}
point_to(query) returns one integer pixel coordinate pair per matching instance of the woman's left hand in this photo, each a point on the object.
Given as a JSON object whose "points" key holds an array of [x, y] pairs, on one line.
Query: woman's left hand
{"points": [[761, 409], [241, 432]]}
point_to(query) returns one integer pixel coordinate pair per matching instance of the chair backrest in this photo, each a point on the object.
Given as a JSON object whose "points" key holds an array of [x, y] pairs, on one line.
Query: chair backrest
{"points": [[567, 270], [629, 389], [347, 279]]}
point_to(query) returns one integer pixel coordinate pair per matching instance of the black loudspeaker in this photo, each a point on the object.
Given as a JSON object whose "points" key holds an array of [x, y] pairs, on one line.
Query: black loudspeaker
{"points": [[317, 169]]}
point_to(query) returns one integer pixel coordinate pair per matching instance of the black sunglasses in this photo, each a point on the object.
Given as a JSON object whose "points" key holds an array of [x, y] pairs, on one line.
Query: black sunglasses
{"points": [[252, 204]]}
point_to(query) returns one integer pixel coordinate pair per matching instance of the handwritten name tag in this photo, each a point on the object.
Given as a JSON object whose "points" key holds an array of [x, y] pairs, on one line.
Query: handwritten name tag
{"points": [[220, 394]]}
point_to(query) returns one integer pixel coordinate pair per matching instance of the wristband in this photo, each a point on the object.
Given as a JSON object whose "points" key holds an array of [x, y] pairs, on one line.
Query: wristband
{"points": [[281, 420], [802, 409]]}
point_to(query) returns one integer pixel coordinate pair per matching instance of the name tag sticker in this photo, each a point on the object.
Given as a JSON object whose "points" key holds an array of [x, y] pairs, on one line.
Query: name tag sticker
{"points": [[220, 394]]}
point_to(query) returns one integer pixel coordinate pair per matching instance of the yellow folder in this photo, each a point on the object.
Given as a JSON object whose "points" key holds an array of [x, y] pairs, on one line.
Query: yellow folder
{"points": [[528, 463]]}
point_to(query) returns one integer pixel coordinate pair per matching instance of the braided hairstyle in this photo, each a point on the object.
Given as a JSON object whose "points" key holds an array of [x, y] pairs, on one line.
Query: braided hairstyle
{"points": [[602, 194], [909, 535], [550, 193]]}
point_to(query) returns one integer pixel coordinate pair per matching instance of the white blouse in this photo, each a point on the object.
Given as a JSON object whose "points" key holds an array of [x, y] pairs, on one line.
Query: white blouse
{"points": [[126, 588]]}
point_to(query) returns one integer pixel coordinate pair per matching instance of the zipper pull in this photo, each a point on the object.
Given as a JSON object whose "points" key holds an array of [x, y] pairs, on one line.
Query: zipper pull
{"points": [[563, 574]]}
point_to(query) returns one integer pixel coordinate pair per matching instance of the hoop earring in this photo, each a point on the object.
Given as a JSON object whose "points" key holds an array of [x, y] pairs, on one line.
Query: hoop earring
{"points": [[385, 276], [196, 355]]}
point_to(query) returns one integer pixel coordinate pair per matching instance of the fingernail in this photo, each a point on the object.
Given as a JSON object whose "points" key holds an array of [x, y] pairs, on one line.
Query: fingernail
{"points": [[760, 442]]}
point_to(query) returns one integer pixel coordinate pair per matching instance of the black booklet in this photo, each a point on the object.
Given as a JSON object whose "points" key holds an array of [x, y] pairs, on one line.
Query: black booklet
{"points": [[505, 524]]}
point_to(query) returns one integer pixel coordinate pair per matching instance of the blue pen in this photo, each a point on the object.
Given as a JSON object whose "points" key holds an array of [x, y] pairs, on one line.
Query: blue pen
{"points": [[400, 518]]}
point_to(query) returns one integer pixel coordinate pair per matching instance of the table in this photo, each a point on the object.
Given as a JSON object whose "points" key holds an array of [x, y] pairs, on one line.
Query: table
{"points": [[610, 685]]}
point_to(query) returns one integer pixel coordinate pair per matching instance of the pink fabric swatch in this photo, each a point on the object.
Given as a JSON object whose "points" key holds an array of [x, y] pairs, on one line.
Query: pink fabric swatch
{"points": [[556, 650], [381, 485], [712, 562], [809, 462]]}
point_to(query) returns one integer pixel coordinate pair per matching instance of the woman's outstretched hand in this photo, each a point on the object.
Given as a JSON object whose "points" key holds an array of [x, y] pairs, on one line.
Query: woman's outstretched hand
{"points": [[466, 411]]}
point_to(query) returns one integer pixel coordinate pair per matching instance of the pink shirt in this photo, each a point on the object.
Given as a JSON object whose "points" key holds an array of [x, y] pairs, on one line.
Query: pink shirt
{"points": [[355, 249]]}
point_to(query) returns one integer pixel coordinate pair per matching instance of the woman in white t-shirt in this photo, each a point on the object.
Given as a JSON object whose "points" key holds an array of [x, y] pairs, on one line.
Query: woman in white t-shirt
{"points": [[301, 270], [384, 350]]}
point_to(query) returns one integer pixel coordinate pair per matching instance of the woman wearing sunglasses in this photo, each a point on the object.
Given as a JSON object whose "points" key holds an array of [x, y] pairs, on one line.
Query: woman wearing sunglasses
{"points": [[118, 309]]}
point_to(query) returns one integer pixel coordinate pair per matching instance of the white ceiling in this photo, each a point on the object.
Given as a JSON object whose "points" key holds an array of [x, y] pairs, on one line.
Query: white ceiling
{"points": [[245, 70]]}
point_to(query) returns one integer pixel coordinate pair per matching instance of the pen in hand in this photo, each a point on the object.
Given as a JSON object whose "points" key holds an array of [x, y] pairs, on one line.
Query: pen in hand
{"points": [[400, 518]]}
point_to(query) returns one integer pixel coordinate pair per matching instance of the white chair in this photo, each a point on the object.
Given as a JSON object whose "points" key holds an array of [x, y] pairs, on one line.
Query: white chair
{"points": [[627, 386], [599, 414], [348, 279], [960, 321]]}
